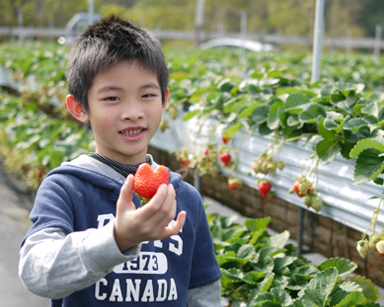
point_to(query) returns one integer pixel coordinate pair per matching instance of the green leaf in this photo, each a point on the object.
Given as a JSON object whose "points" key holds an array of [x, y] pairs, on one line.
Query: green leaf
{"points": [[366, 144], [260, 115], [264, 130], [325, 133], [231, 131], [343, 266], [257, 224], [279, 240], [275, 74], [234, 274], [256, 235], [236, 105], [190, 114], [281, 297], [247, 112], [372, 109], [265, 285], [293, 120], [283, 262], [353, 298], [319, 288], [370, 291], [225, 85], [369, 165], [254, 277], [355, 124], [274, 115], [197, 95], [312, 114], [326, 91], [253, 89], [307, 272], [334, 121], [327, 150], [346, 88], [246, 251], [296, 99]]}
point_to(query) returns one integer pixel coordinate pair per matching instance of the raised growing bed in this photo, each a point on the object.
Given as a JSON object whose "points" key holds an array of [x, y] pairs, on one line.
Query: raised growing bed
{"points": [[343, 202]]}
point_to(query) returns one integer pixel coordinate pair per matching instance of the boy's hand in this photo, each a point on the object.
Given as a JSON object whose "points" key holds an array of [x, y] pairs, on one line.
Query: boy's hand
{"points": [[147, 223]]}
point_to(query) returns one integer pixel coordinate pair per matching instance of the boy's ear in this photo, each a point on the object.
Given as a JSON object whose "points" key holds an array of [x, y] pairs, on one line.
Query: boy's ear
{"points": [[165, 103], [76, 109]]}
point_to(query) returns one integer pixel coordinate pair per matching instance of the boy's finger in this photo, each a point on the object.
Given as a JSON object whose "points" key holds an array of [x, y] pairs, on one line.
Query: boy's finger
{"points": [[160, 196], [126, 194], [175, 227]]}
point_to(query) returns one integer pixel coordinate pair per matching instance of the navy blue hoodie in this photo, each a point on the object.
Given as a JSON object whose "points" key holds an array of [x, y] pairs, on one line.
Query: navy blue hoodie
{"points": [[75, 198]]}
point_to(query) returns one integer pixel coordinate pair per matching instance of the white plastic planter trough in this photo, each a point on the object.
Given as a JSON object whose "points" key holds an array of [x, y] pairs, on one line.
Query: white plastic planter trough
{"points": [[342, 201]]}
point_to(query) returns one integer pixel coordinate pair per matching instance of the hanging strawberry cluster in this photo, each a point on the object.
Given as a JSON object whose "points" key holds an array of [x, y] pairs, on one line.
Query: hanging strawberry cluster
{"points": [[305, 189], [266, 165], [373, 242]]}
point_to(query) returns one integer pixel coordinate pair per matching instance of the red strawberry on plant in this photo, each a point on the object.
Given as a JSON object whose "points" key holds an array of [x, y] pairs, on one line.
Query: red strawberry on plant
{"points": [[184, 162], [380, 248], [264, 187], [225, 157], [234, 184], [302, 187], [147, 181], [225, 139]]}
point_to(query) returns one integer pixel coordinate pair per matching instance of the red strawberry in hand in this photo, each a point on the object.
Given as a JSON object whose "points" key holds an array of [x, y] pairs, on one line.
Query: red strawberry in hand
{"points": [[225, 158], [264, 187], [147, 180]]}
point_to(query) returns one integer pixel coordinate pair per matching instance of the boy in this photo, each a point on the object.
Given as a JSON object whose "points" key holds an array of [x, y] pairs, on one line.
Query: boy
{"points": [[91, 244]]}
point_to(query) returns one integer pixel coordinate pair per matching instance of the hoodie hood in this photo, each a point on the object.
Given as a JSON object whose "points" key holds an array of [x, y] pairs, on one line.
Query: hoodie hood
{"points": [[99, 174]]}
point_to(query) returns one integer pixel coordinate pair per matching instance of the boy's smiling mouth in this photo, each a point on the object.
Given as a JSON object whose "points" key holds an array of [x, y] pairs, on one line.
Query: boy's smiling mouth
{"points": [[131, 132]]}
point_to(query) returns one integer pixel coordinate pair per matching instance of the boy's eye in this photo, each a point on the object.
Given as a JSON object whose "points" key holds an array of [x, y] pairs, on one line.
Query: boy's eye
{"points": [[149, 95], [112, 98]]}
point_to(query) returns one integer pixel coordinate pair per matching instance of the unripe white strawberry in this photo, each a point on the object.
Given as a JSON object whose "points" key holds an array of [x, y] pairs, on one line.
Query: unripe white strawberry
{"points": [[317, 204], [362, 248], [307, 200], [280, 165]]}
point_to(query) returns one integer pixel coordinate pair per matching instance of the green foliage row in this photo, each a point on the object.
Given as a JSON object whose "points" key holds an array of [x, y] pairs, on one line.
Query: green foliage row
{"points": [[339, 115], [269, 92], [265, 271]]}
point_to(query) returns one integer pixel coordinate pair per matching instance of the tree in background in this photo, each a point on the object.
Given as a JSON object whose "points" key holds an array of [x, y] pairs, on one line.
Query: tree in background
{"points": [[288, 17], [341, 18]]}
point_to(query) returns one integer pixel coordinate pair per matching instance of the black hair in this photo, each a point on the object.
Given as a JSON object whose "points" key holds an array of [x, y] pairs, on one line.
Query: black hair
{"points": [[107, 42]]}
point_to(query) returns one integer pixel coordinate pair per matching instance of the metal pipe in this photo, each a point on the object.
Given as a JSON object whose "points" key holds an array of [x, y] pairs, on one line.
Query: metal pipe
{"points": [[317, 40]]}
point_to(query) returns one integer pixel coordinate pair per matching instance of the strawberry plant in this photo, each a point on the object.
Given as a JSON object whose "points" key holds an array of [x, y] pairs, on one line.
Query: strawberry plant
{"points": [[263, 270], [33, 143]]}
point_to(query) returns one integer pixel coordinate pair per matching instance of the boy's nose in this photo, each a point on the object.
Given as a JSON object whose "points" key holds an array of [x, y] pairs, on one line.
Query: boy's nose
{"points": [[132, 111]]}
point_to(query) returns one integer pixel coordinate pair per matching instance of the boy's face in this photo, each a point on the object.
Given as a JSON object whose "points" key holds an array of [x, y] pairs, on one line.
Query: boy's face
{"points": [[125, 109]]}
